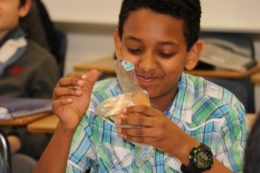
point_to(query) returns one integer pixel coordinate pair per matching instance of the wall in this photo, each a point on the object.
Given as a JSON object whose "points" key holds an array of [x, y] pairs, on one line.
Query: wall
{"points": [[86, 47], [234, 15], [84, 11]]}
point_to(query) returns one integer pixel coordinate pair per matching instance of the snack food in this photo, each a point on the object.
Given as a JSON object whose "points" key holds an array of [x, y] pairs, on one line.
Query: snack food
{"points": [[132, 94]]}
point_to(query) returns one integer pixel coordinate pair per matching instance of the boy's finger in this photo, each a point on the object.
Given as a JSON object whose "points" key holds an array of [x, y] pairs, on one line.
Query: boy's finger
{"points": [[70, 91], [62, 101], [89, 81]]}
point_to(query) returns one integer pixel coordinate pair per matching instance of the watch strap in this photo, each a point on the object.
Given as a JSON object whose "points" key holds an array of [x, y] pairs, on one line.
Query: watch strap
{"points": [[186, 169]]}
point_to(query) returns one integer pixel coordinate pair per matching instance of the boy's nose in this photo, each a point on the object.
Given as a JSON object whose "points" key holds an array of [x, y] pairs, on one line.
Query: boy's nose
{"points": [[147, 62]]}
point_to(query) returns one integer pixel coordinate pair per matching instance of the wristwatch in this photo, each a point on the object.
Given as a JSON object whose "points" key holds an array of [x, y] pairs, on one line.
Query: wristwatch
{"points": [[200, 160]]}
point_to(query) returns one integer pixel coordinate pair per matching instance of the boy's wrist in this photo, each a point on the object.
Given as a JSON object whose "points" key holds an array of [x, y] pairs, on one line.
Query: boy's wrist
{"points": [[68, 131], [184, 148]]}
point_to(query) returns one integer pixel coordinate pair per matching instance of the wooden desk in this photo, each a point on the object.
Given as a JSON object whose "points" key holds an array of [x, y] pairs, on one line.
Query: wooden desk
{"points": [[45, 125], [24, 120], [105, 65]]}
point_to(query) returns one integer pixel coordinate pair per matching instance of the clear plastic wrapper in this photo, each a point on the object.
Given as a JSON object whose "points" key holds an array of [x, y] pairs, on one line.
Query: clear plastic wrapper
{"points": [[132, 94]]}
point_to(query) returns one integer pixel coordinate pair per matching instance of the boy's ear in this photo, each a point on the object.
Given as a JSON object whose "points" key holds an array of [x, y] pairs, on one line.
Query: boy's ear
{"points": [[24, 9], [118, 44], [194, 55]]}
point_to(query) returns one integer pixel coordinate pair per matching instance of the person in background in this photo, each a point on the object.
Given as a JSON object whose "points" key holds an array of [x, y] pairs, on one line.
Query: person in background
{"points": [[26, 70], [193, 125], [40, 28], [22, 59], [252, 152]]}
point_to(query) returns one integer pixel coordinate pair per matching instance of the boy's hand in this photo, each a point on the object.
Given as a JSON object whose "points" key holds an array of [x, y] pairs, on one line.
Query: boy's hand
{"points": [[157, 129], [71, 97]]}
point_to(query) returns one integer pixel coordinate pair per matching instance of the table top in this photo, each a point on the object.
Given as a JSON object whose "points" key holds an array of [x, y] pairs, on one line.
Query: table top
{"points": [[105, 65], [24, 120], [46, 125]]}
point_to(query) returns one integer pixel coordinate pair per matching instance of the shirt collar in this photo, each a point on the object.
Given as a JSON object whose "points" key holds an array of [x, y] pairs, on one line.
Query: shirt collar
{"points": [[8, 35]]}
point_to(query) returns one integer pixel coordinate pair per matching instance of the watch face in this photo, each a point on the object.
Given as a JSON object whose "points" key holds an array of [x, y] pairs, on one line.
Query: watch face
{"points": [[202, 160], [201, 157]]}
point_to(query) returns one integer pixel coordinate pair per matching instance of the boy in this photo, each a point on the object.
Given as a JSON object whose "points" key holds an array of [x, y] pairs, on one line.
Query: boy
{"points": [[193, 125], [22, 59], [26, 70]]}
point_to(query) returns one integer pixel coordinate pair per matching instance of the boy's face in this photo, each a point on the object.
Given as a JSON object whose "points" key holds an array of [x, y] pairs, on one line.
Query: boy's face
{"points": [[155, 43], [10, 12]]}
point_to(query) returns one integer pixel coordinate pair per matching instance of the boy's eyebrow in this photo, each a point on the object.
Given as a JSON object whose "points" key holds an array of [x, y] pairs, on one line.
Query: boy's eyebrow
{"points": [[170, 43], [133, 38]]}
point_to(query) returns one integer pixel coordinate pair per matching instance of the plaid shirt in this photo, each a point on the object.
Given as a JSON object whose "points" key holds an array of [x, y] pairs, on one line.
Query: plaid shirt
{"points": [[206, 111]]}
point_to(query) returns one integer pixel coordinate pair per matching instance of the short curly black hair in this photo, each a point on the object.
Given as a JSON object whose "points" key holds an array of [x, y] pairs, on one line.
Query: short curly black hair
{"points": [[189, 11]]}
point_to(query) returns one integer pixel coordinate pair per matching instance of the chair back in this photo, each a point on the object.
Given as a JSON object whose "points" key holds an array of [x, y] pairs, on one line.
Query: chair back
{"points": [[5, 162], [61, 50]]}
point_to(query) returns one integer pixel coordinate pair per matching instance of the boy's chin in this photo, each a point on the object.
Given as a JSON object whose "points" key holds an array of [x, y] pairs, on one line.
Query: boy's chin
{"points": [[153, 93]]}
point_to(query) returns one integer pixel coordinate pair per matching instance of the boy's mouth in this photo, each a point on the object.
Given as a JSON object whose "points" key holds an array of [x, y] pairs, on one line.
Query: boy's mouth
{"points": [[146, 78]]}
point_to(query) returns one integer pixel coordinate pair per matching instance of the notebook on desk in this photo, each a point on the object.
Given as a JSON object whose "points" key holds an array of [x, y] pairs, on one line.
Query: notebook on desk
{"points": [[18, 107], [226, 55], [227, 51]]}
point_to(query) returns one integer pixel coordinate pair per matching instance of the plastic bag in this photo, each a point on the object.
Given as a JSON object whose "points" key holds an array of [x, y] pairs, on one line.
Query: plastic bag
{"points": [[132, 93]]}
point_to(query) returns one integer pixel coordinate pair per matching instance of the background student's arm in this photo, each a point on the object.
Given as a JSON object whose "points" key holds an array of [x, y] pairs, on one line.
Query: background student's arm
{"points": [[14, 142], [70, 101]]}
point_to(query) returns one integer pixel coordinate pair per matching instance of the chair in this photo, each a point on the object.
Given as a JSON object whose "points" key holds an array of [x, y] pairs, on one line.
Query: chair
{"points": [[57, 39], [60, 53], [243, 88], [18, 163], [5, 159]]}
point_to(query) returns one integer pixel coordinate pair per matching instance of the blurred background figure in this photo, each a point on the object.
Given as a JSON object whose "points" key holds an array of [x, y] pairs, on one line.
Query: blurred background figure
{"points": [[252, 152], [40, 28], [26, 70]]}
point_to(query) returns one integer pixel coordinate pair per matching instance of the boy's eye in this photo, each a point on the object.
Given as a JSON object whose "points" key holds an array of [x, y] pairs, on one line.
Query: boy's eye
{"points": [[166, 55], [134, 51]]}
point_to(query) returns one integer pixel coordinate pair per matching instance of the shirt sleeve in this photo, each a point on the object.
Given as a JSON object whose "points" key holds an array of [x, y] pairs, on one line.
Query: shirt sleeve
{"points": [[233, 139], [82, 153]]}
